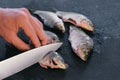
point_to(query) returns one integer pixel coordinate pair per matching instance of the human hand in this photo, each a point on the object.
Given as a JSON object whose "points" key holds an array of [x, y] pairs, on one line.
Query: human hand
{"points": [[11, 20]]}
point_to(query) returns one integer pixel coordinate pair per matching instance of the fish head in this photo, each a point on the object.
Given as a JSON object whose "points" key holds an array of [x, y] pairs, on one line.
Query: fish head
{"points": [[55, 39], [54, 60], [58, 60], [60, 26], [83, 51], [52, 38]]}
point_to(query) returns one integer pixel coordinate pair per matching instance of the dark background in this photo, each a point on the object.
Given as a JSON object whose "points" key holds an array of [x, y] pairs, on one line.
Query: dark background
{"points": [[104, 61]]}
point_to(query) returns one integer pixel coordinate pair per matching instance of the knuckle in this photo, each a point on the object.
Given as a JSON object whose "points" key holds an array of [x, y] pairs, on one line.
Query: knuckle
{"points": [[11, 39], [8, 39], [25, 10], [41, 25], [40, 28], [21, 15], [39, 22]]}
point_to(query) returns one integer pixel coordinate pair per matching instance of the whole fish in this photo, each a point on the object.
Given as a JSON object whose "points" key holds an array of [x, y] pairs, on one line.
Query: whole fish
{"points": [[51, 20], [52, 37], [81, 43], [76, 19], [53, 60]]}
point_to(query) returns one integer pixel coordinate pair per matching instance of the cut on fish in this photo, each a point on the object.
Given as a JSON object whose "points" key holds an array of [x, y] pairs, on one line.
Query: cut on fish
{"points": [[77, 19]]}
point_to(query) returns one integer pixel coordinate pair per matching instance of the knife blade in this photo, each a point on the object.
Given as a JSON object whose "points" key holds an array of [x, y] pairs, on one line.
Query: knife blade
{"points": [[19, 62]]}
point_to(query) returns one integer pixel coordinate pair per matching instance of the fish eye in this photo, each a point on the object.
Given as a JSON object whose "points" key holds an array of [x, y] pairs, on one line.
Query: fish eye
{"points": [[85, 51], [54, 38]]}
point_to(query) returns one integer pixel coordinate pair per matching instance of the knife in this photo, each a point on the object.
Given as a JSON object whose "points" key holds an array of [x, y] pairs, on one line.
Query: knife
{"points": [[19, 62]]}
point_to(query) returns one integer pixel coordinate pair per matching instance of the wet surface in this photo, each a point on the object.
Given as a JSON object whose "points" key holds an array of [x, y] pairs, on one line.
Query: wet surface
{"points": [[104, 61]]}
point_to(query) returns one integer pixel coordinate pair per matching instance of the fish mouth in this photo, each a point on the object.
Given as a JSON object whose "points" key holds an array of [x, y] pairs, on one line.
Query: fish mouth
{"points": [[83, 53], [60, 27]]}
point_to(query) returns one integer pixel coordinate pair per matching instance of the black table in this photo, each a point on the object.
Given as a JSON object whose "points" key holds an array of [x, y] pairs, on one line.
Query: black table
{"points": [[103, 63]]}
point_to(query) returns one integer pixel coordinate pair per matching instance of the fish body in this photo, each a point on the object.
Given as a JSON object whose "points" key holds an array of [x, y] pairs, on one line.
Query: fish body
{"points": [[53, 60], [52, 37], [81, 43], [51, 20], [76, 19]]}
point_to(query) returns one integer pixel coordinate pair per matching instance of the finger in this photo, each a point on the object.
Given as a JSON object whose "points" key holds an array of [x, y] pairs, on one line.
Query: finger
{"points": [[30, 32], [39, 23], [25, 10], [42, 37], [18, 43], [40, 33]]}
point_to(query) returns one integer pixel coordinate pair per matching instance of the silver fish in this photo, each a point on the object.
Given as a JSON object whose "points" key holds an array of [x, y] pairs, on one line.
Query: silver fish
{"points": [[53, 60], [76, 19], [52, 37], [81, 43], [51, 20]]}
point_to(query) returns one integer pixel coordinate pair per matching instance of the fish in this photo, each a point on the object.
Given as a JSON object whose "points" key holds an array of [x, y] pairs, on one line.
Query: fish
{"points": [[80, 42], [52, 37], [77, 19], [51, 20], [53, 60]]}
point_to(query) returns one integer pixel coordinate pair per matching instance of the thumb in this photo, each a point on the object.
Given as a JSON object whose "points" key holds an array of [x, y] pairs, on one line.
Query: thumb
{"points": [[18, 43]]}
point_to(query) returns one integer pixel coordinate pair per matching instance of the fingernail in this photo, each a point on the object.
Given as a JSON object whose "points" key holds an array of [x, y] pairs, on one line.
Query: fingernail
{"points": [[25, 48], [38, 45], [44, 43]]}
